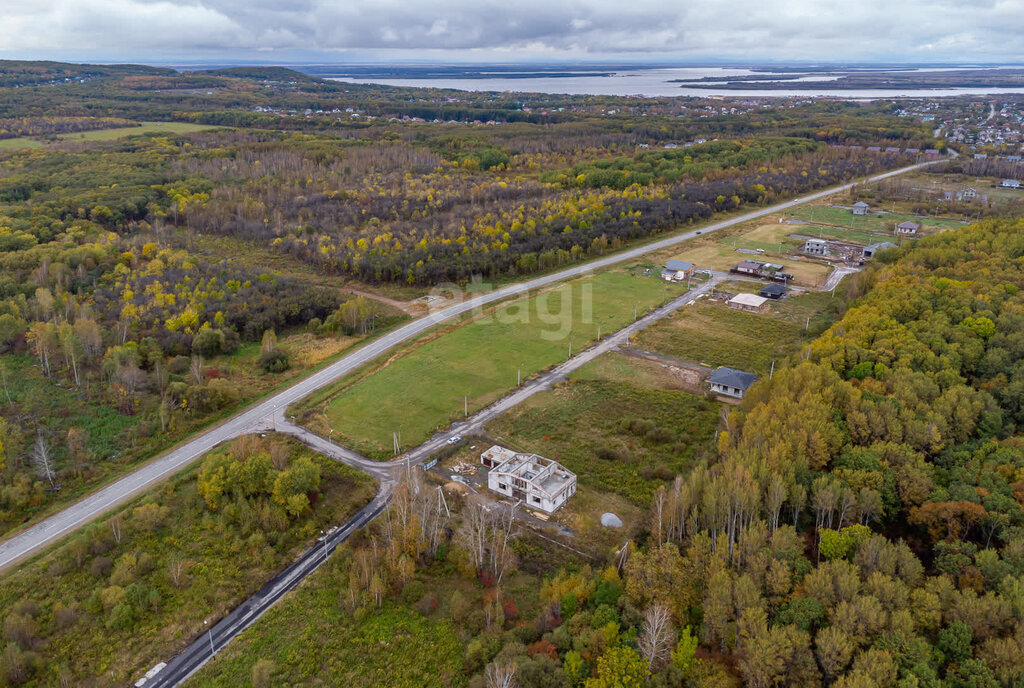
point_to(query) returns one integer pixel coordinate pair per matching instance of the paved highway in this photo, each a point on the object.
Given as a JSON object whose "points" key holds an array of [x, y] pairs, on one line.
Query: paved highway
{"points": [[54, 527]]}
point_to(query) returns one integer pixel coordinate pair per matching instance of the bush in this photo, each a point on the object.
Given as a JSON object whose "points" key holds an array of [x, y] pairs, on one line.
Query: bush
{"points": [[275, 361], [412, 592], [262, 673]]}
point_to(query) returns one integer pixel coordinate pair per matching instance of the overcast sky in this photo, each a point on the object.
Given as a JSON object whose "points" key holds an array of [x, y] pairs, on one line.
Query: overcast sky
{"points": [[276, 31]]}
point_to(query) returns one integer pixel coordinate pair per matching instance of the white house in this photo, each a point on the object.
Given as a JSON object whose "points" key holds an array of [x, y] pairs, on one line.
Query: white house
{"points": [[731, 382], [860, 208], [540, 483], [907, 227], [495, 455], [1010, 184]]}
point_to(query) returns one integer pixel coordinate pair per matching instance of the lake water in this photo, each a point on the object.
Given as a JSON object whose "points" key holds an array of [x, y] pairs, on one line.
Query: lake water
{"points": [[657, 82]]}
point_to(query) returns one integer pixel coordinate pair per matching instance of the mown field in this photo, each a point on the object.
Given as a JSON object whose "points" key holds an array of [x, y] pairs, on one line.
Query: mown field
{"points": [[133, 588], [619, 437], [715, 335], [423, 389], [881, 224]]}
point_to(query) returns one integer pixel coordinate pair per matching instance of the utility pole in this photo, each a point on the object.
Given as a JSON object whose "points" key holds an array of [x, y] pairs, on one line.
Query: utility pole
{"points": [[465, 405], [519, 374], [598, 333], [771, 374], [807, 325]]}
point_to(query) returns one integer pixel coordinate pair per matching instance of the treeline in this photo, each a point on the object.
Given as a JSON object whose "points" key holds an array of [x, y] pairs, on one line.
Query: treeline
{"points": [[672, 165], [51, 126], [440, 220]]}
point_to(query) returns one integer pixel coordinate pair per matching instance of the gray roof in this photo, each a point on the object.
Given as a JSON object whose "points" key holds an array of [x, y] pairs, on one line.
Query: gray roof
{"points": [[861, 204], [730, 377], [881, 245], [908, 225], [773, 288], [678, 265]]}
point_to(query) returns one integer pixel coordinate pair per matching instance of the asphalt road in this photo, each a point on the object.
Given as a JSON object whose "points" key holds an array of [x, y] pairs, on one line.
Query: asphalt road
{"points": [[211, 641], [52, 528]]}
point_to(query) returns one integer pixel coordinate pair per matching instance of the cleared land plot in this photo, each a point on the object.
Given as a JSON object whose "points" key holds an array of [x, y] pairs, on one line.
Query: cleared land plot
{"points": [[714, 334], [878, 224], [617, 437], [109, 134], [423, 388], [131, 589]]}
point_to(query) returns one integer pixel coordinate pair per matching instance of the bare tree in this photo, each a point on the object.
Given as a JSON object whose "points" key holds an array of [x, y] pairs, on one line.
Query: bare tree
{"points": [[178, 566], [500, 675], [42, 460], [486, 532], [196, 368], [116, 527], [657, 636]]}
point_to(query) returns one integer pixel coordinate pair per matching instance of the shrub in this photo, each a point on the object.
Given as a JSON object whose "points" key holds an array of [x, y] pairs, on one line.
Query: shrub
{"points": [[275, 361], [412, 592]]}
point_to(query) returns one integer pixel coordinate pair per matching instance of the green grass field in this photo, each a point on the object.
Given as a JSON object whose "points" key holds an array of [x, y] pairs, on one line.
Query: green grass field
{"points": [[424, 389], [865, 223], [713, 334], [104, 605], [109, 134], [585, 425]]}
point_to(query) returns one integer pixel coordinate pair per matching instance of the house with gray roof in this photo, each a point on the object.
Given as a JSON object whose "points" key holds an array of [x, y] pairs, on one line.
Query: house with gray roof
{"points": [[907, 227], [870, 251], [731, 382], [860, 208], [678, 270]]}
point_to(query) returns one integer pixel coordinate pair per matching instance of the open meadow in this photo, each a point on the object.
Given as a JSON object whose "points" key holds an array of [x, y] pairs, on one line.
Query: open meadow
{"points": [[425, 387], [169, 128]]}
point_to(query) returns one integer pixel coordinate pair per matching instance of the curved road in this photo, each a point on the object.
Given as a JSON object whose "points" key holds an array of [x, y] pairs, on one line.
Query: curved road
{"points": [[52, 528]]}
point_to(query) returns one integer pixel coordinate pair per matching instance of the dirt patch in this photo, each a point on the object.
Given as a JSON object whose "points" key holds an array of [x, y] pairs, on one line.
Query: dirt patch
{"points": [[689, 377]]}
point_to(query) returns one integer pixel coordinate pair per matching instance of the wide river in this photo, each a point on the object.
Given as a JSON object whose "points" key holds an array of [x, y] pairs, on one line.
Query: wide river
{"points": [[657, 82]]}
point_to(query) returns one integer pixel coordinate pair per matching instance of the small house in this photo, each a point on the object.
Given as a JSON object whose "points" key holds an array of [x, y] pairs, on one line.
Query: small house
{"points": [[1010, 184], [1013, 158], [981, 156], [970, 192], [816, 247], [681, 269], [748, 267], [860, 208], [907, 227], [773, 291], [913, 151], [539, 483], [870, 251], [931, 152], [873, 149], [892, 149], [731, 382], [751, 303]]}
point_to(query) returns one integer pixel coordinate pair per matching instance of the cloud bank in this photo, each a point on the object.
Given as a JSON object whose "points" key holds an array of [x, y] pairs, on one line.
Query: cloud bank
{"points": [[916, 30]]}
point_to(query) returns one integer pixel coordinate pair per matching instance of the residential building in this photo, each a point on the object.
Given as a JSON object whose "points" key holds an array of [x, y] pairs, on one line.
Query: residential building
{"points": [[751, 303], [870, 251], [816, 247], [680, 269], [970, 192], [981, 156], [892, 149], [907, 227], [731, 382], [773, 291], [749, 267], [931, 151], [539, 483], [860, 208], [1010, 184]]}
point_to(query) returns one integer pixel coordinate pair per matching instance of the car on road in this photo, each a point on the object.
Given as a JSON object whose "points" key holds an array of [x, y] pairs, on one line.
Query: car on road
{"points": [[454, 439]]}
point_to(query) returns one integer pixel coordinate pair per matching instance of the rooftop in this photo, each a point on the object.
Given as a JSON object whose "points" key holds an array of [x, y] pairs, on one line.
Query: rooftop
{"points": [[752, 300], [679, 265], [730, 377]]}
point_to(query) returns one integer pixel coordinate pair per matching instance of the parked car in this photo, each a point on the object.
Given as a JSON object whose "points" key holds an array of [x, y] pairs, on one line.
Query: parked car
{"points": [[454, 439]]}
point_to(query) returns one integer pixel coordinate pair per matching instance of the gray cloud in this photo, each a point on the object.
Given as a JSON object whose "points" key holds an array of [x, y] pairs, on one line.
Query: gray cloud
{"points": [[478, 29]]}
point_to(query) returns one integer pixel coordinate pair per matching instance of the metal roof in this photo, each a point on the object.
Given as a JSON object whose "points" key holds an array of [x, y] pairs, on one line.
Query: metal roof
{"points": [[678, 265], [730, 377]]}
